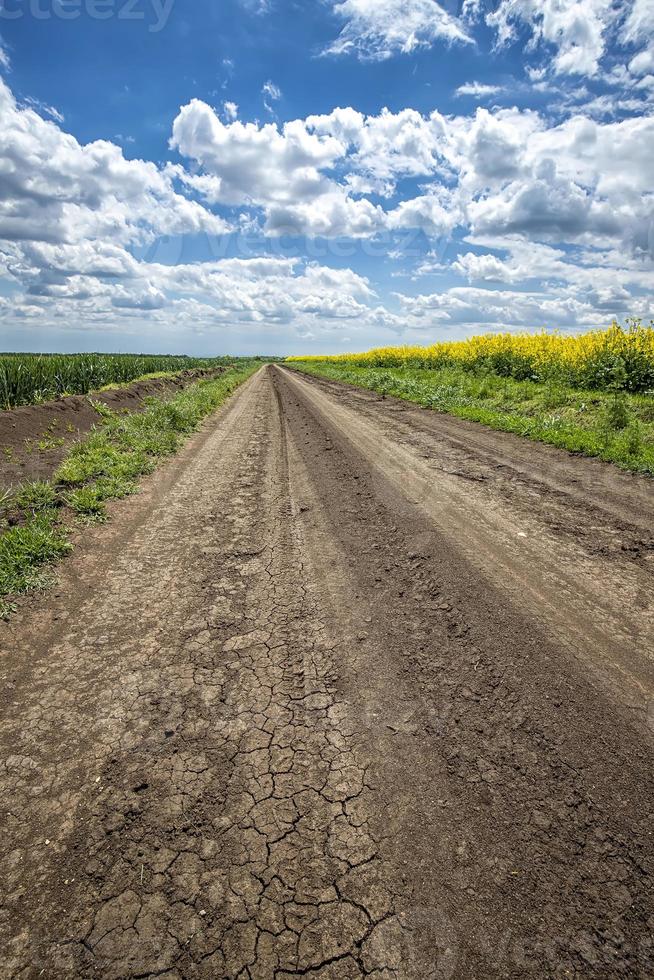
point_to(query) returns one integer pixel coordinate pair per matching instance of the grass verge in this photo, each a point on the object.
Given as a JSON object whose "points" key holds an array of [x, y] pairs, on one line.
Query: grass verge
{"points": [[614, 426], [35, 523]]}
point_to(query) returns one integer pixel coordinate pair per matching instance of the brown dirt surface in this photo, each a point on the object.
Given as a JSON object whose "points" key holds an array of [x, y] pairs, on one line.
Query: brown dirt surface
{"points": [[35, 438], [349, 690]]}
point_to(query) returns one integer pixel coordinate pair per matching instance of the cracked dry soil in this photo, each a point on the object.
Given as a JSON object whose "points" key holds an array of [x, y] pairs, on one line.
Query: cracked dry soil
{"points": [[349, 690]]}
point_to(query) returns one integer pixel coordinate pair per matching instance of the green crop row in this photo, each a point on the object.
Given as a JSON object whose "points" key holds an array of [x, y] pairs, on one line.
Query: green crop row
{"points": [[29, 378]]}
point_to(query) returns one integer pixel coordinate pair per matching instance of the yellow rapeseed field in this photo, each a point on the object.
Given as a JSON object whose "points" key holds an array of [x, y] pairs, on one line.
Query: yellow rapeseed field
{"points": [[617, 358]]}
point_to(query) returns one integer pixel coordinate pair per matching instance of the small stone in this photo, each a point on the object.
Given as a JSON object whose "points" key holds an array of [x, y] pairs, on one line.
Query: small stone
{"points": [[541, 819]]}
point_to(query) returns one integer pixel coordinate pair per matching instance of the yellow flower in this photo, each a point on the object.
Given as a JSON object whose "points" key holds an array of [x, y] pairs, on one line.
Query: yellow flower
{"points": [[613, 358]]}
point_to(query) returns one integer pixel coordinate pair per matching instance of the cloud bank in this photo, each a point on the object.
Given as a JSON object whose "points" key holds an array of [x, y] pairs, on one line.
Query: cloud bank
{"points": [[527, 222]]}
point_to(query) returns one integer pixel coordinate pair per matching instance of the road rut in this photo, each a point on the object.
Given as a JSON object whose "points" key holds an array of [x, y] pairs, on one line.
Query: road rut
{"points": [[349, 690]]}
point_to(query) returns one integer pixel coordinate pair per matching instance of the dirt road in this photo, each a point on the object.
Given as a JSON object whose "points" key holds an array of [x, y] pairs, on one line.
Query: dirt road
{"points": [[351, 689]]}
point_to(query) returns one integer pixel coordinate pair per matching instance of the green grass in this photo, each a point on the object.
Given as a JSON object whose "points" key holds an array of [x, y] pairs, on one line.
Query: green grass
{"points": [[152, 376], [616, 427], [35, 523], [24, 550]]}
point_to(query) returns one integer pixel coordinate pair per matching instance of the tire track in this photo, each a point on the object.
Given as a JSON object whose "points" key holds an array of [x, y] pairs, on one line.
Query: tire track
{"points": [[596, 602]]}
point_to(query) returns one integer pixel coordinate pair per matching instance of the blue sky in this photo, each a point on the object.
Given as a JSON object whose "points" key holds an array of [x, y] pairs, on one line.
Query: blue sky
{"points": [[265, 176]]}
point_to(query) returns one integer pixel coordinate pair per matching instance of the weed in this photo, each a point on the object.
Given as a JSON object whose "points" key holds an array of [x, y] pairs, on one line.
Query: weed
{"points": [[554, 396], [103, 410], [86, 501], [617, 412], [35, 497], [89, 501], [23, 549], [633, 441], [48, 443]]}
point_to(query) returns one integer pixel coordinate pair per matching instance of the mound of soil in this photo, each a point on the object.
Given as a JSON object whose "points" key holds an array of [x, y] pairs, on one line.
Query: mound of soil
{"points": [[35, 438]]}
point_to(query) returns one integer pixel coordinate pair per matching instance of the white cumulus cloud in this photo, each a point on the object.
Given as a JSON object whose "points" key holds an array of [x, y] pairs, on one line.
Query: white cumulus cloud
{"points": [[548, 209], [576, 29], [378, 29], [54, 189], [478, 90]]}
